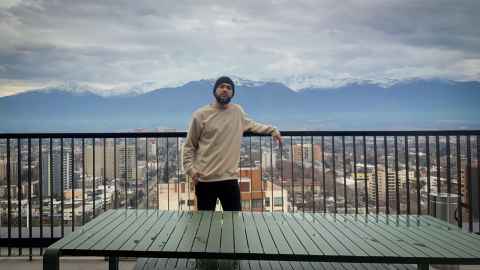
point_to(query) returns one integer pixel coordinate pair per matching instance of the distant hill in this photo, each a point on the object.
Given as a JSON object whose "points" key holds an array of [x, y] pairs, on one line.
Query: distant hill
{"points": [[415, 104]]}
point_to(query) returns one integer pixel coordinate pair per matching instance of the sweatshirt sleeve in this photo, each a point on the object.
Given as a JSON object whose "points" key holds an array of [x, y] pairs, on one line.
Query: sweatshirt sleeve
{"points": [[255, 127], [191, 146]]}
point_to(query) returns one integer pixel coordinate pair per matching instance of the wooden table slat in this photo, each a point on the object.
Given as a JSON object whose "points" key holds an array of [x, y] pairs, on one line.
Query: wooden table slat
{"points": [[227, 239], [69, 238], [187, 240], [141, 232], [325, 242], [264, 233], [111, 232], [254, 242], [399, 247], [447, 237], [164, 235], [213, 242], [337, 234], [378, 244], [294, 229], [137, 226], [404, 240], [181, 226], [337, 224], [435, 239], [93, 234], [200, 241], [148, 239], [278, 236], [240, 236], [419, 242]]}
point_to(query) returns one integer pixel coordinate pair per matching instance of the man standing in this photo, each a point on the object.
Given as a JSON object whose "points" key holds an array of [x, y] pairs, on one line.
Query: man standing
{"points": [[211, 154]]}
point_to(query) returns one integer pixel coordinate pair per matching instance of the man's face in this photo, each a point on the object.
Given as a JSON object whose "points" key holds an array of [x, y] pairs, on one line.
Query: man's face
{"points": [[224, 93]]}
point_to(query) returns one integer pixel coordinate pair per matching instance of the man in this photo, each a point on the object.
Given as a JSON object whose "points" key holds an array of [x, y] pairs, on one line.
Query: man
{"points": [[211, 153]]}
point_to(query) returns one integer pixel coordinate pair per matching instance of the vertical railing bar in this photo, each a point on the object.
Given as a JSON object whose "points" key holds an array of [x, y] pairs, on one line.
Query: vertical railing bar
{"points": [[83, 181], [136, 173], [449, 179], [459, 185], [478, 174], [72, 146], [375, 161], [397, 192], [93, 175], [437, 153], [40, 186], [303, 175], [469, 186], [178, 173], [115, 202], [271, 171], [19, 191], [125, 166], [313, 174], [104, 174], [417, 176], [62, 172], [427, 145], [344, 175], [334, 176], [51, 188], [261, 173], [158, 174], [292, 178], [354, 140], [29, 164], [281, 174], [167, 177], [146, 166], [365, 170], [407, 173], [323, 175], [9, 198], [385, 153]]}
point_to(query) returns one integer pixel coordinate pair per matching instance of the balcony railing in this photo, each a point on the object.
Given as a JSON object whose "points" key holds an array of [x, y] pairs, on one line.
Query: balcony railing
{"points": [[52, 183]]}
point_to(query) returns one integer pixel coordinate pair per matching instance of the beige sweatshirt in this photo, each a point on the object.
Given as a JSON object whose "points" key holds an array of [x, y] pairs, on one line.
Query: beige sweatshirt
{"points": [[213, 141]]}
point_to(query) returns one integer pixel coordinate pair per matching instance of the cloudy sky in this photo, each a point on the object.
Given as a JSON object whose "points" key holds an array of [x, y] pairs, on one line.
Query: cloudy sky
{"points": [[115, 44]]}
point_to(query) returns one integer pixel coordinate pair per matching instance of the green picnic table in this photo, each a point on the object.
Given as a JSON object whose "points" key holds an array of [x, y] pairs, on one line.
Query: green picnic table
{"points": [[277, 236]]}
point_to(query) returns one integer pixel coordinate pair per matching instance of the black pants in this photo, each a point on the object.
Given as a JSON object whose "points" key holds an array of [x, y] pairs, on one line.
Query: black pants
{"points": [[227, 191]]}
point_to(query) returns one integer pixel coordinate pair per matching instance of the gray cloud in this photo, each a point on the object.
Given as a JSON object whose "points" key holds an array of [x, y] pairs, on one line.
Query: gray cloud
{"points": [[118, 42]]}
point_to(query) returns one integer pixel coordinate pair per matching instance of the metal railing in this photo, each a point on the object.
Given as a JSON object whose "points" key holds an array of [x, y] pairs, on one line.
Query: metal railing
{"points": [[50, 184]]}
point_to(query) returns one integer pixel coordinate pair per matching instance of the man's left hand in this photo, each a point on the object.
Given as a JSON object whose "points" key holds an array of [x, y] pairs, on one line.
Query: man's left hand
{"points": [[278, 138]]}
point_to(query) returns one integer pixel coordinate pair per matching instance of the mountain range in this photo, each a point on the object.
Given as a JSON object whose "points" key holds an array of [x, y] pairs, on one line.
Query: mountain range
{"points": [[406, 105]]}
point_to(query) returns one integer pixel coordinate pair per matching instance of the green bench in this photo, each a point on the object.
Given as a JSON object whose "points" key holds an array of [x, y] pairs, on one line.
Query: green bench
{"points": [[190, 264]]}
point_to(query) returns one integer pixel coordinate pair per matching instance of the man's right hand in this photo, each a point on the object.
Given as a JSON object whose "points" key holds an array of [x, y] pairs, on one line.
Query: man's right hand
{"points": [[195, 178]]}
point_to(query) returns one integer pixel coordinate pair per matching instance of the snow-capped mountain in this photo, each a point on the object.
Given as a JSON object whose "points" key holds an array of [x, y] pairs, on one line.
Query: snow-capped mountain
{"points": [[300, 82]]}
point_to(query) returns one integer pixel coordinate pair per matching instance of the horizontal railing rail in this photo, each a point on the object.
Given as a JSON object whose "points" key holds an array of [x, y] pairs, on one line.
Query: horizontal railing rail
{"points": [[52, 183]]}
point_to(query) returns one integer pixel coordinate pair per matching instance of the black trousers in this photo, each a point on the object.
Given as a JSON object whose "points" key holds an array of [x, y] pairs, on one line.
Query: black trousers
{"points": [[227, 191]]}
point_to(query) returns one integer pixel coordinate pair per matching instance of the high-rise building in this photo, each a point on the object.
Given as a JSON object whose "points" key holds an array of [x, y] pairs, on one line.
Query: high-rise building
{"points": [[269, 160], [472, 191], [307, 152], [52, 174], [99, 161], [125, 159], [13, 170], [384, 181]]}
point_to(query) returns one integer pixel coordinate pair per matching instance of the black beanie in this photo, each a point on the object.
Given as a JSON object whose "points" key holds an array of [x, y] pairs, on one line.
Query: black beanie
{"points": [[224, 79]]}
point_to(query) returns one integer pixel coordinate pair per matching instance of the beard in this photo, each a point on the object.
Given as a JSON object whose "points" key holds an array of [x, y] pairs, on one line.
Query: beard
{"points": [[222, 100]]}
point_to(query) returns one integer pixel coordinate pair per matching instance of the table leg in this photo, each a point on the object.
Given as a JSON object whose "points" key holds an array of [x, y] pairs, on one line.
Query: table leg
{"points": [[51, 260], [423, 266], [112, 263]]}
